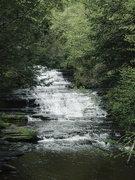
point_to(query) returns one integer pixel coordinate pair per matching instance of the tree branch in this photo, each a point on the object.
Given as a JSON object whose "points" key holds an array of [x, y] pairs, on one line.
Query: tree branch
{"points": [[131, 151]]}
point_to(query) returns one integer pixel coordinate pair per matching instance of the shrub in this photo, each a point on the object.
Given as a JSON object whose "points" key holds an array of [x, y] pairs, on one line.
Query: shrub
{"points": [[121, 99]]}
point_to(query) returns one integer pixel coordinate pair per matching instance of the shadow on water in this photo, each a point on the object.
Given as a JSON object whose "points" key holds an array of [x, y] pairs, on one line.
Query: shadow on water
{"points": [[70, 165]]}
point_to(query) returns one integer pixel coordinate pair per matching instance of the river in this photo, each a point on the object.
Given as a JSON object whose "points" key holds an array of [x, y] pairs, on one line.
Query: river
{"points": [[73, 129]]}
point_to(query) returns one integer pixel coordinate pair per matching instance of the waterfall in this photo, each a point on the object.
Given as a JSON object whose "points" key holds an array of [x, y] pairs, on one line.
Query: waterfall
{"points": [[65, 117]]}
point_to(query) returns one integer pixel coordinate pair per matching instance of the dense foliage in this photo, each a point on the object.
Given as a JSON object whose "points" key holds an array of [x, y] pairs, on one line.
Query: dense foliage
{"points": [[23, 40], [97, 39], [122, 99]]}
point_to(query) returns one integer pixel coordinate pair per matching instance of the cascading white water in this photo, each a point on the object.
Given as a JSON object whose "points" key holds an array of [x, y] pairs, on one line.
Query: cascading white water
{"points": [[65, 117]]}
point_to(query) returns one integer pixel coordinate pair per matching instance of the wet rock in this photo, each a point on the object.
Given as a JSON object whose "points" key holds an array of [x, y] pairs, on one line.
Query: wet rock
{"points": [[88, 142], [59, 137], [14, 103], [80, 133], [85, 142], [7, 167], [3, 142], [41, 117]]}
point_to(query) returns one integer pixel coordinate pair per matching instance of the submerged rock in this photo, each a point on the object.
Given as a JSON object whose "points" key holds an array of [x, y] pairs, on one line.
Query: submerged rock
{"points": [[7, 167]]}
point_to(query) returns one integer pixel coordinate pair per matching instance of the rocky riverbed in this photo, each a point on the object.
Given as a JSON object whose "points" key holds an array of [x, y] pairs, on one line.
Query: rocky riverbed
{"points": [[16, 139]]}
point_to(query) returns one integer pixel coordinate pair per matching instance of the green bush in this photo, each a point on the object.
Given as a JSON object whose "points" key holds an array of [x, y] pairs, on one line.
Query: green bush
{"points": [[121, 99]]}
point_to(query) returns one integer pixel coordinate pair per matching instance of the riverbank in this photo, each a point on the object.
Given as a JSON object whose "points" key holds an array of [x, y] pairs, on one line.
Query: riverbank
{"points": [[15, 138]]}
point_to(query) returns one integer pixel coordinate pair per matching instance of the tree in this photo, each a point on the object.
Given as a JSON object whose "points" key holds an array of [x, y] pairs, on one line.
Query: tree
{"points": [[122, 99], [23, 25], [71, 30]]}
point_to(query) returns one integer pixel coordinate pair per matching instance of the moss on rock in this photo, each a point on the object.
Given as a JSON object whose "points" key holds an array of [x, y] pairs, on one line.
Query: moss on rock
{"points": [[17, 117], [10, 131], [3, 124], [15, 134]]}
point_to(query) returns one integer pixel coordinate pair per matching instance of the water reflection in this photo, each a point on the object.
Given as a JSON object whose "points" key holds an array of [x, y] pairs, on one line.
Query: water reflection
{"points": [[72, 165]]}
